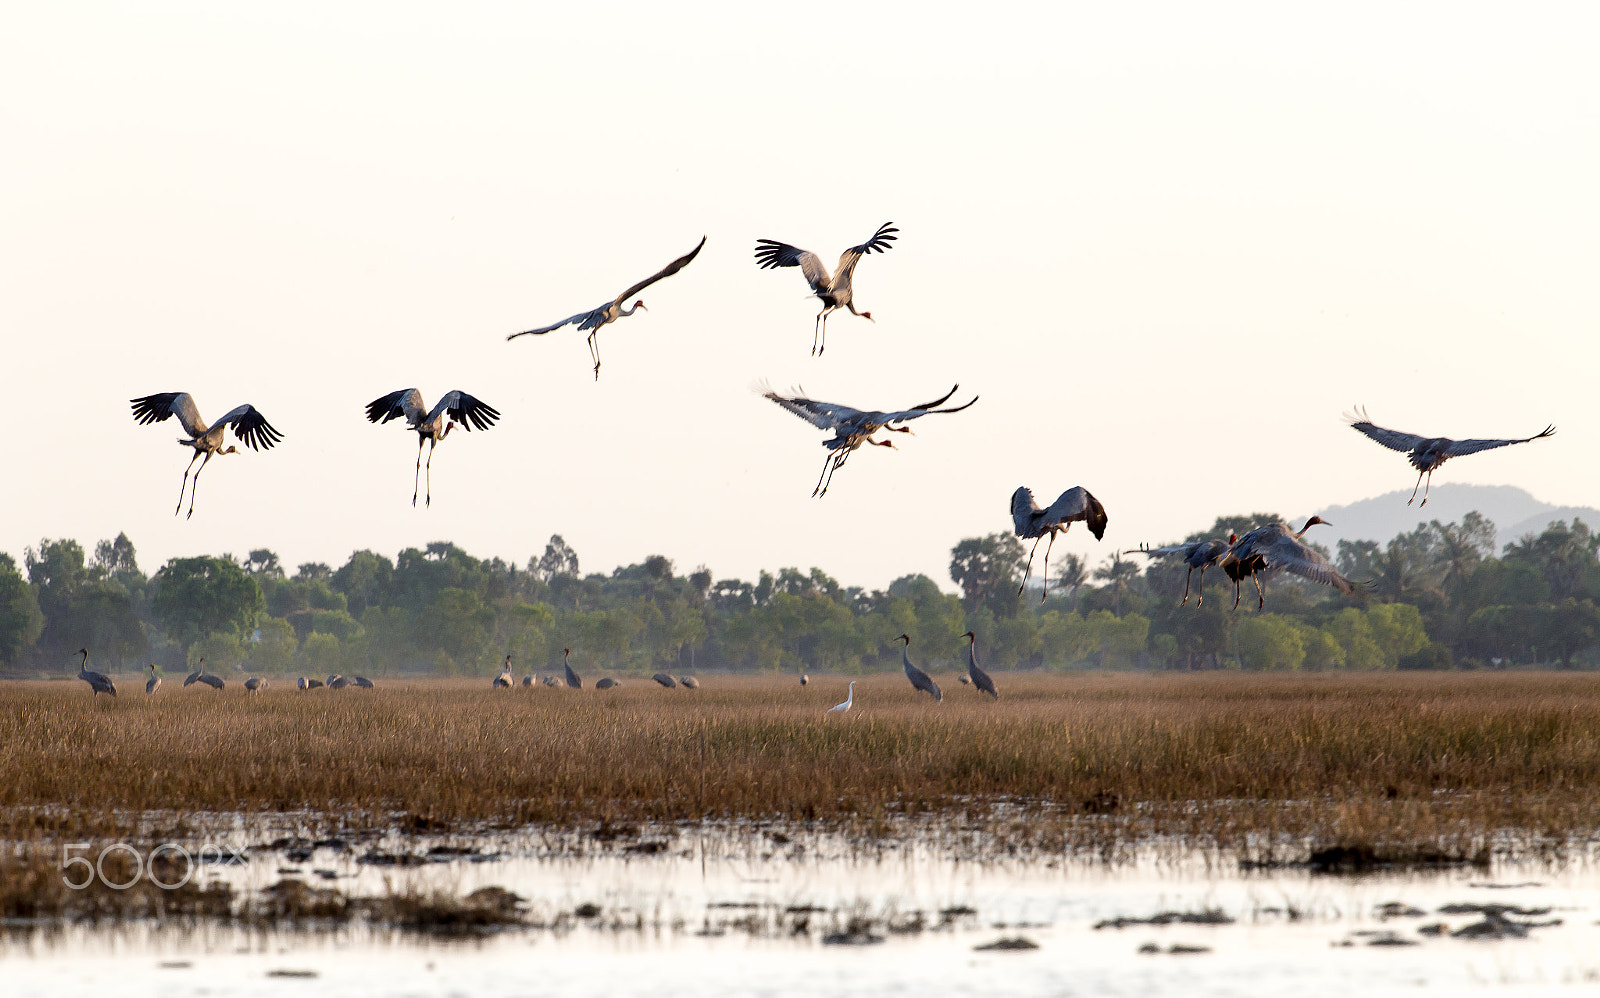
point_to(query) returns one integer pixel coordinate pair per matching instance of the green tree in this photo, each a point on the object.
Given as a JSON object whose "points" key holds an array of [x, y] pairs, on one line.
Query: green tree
{"points": [[263, 562], [1268, 642], [1351, 629], [272, 647], [364, 580], [1397, 630], [321, 654], [199, 596], [1323, 650], [988, 570], [221, 650], [20, 619], [459, 624], [558, 559]]}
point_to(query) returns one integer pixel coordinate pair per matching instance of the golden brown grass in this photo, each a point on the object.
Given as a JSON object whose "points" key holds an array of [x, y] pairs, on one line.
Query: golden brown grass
{"points": [[1098, 760]]}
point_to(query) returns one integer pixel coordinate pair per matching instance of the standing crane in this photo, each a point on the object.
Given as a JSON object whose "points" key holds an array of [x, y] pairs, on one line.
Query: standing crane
{"points": [[1197, 554], [853, 427], [1074, 504], [1427, 453], [835, 290], [153, 683], [919, 679], [248, 425], [199, 670], [849, 701], [255, 684], [595, 318], [980, 679], [431, 425], [504, 679], [99, 682], [574, 681], [1266, 551]]}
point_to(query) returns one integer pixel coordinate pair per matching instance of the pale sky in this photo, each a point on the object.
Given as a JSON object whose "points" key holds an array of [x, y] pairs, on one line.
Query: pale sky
{"points": [[1169, 245]]}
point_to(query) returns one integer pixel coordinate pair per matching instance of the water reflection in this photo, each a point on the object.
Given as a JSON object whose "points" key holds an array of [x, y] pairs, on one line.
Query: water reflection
{"points": [[719, 912]]}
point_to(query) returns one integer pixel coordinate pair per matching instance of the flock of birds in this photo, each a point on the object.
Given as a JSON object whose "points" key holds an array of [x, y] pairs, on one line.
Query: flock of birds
{"points": [[572, 681], [1258, 555], [100, 683]]}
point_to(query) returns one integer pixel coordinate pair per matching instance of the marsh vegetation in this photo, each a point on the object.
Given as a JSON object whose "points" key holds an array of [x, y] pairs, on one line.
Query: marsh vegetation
{"points": [[1266, 765]]}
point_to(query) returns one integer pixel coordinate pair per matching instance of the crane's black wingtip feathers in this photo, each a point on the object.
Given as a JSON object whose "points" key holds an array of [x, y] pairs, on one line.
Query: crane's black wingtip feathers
{"points": [[153, 408]]}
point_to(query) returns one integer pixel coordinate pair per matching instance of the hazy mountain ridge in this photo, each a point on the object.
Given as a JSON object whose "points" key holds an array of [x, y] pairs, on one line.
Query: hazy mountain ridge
{"points": [[1513, 511]]}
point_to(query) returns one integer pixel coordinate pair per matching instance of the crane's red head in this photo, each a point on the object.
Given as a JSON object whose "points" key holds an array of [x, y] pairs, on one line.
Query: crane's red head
{"points": [[970, 636], [566, 651], [906, 638], [867, 316], [1233, 538], [1313, 522], [640, 304]]}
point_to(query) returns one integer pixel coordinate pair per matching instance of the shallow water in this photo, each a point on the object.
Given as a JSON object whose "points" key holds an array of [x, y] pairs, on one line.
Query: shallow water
{"points": [[711, 916]]}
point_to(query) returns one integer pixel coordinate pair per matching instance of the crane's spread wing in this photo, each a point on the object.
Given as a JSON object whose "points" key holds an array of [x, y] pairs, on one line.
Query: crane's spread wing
{"points": [[397, 405], [581, 320], [1171, 549], [822, 415], [1287, 553], [1023, 510], [879, 243], [1077, 503], [923, 409], [667, 271], [252, 427], [771, 254], [1460, 447], [1392, 439], [156, 408], [466, 410]]}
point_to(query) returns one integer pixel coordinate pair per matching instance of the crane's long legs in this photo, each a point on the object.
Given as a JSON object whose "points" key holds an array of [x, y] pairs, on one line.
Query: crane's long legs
{"points": [[1186, 587], [815, 326], [1236, 588], [594, 352], [1045, 589], [196, 486], [420, 441], [429, 501], [1029, 570], [826, 463], [179, 508], [1261, 592], [1418, 486], [838, 462], [1202, 588], [1425, 491]]}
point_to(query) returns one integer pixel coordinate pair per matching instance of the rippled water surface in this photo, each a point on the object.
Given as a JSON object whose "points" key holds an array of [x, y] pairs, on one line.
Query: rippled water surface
{"points": [[713, 916]]}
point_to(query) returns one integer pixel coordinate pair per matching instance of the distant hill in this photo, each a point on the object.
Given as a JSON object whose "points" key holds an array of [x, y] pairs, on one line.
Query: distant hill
{"points": [[1513, 511]]}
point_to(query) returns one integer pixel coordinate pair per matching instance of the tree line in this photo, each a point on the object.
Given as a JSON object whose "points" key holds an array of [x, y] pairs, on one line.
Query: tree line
{"points": [[1436, 597]]}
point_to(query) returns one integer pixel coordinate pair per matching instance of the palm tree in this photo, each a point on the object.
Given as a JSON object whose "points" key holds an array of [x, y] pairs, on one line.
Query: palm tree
{"points": [[1117, 574]]}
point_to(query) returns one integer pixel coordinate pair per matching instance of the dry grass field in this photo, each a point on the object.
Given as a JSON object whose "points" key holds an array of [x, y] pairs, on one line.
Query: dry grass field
{"points": [[1081, 761]]}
